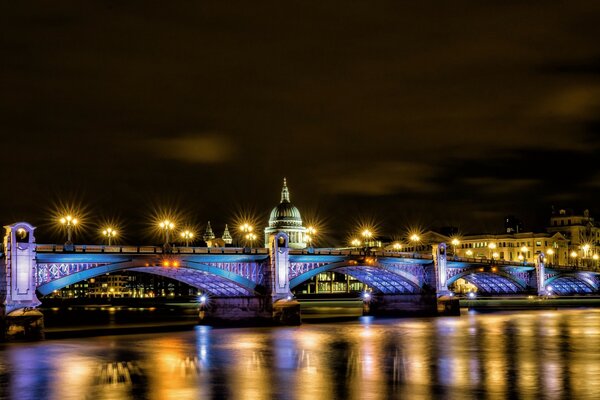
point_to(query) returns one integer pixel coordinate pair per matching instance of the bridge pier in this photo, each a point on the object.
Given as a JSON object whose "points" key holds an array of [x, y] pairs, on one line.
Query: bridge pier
{"points": [[17, 285], [250, 311], [276, 307]]}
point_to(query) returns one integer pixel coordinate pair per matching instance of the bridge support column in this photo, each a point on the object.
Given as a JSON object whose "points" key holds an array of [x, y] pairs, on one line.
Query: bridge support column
{"points": [[17, 284], [276, 305], [446, 303], [540, 269]]}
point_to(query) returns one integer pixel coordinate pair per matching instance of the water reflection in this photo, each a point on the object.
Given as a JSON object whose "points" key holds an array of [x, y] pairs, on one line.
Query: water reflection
{"points": [[547, 355]]}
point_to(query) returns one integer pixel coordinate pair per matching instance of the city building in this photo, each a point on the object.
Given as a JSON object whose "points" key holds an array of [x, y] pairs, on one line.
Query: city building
{"points": [[109, 285], [286, 218], [582, 232], [513, 247]]}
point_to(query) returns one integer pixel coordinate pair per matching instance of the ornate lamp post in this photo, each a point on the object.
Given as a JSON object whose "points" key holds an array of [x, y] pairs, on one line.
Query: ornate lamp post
{"points": [[367, 235], [69, 223], [109, 233], [187, 237], [415, 239], [574, 257], [247, 230], [167, 226], [250, 238], [550, 253], [310, 237], [455, 242]]}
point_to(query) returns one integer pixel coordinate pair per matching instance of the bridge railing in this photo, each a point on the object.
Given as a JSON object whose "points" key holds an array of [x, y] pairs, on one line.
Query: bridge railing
{"points": [[85, 248]]}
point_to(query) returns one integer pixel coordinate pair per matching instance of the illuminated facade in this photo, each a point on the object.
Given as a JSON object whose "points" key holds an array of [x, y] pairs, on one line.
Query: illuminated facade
{"points": [[514, 247], [582, 232], [286, 218]]}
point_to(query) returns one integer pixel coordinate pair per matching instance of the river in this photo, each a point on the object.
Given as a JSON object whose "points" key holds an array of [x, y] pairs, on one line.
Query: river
{"points": [[526, 354]]}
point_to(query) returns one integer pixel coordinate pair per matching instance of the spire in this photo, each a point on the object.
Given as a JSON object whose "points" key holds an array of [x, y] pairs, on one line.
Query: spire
{"points": [[208, 233], [227, 236], [285, 194]]}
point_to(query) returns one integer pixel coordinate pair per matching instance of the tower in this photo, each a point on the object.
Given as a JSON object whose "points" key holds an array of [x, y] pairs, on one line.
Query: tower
{"points": [[208, 233], [226, 236]]}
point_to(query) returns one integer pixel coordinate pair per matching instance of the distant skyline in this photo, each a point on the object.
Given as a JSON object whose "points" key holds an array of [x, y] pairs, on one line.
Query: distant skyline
{"points": [[404, 114]]}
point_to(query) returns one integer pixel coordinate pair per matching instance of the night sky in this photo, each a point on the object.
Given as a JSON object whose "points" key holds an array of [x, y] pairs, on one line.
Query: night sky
{"points": [[400, 113]]}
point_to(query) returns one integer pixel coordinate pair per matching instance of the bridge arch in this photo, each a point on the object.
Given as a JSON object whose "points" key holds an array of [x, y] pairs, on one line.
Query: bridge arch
{"points": [[571, 283], [379, 278], [486, 282], [208, 278]]}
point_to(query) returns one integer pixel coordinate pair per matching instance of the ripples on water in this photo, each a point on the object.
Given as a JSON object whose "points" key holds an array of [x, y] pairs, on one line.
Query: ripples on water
{"points": [[530, 355]]}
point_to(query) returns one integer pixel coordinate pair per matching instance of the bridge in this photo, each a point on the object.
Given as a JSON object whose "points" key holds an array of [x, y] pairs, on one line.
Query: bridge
{"points": [[257, 283]]}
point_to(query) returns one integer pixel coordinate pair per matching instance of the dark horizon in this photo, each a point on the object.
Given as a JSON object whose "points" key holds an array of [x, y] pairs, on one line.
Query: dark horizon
{"points": [[402, 115]]}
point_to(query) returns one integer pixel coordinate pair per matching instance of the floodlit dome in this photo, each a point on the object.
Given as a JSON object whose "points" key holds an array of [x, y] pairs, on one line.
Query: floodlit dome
{"points": [[286, 218]]}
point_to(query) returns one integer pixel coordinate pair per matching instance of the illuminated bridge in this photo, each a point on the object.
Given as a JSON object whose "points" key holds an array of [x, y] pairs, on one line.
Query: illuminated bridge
{"points": [[257, 282]]}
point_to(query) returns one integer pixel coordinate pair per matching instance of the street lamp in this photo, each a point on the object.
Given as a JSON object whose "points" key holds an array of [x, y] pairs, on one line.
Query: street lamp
{"points": [[355, 243], [250, 237], [187, 237], [167, 226], [415, 239], [586, 249], [550, 252], [397, 246], [69, 223], [247, 230], [367, 235], [574, 257], [312, 232], [109, 233], [469, 253], [455, 242]]}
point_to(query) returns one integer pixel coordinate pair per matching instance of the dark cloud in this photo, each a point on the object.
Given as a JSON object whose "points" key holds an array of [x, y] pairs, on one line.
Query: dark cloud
{"points": [[415, 112]]}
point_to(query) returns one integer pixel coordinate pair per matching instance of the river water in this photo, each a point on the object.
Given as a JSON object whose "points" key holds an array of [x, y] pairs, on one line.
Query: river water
{"points": [[528, 355]]}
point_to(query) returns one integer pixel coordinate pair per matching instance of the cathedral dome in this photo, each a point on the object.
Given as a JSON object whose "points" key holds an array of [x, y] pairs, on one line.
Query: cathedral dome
{"points": [[285, 214], [286, 218]]}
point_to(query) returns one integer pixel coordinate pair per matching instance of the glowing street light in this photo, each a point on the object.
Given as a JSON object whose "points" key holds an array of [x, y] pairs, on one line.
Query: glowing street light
{"points": [[167, 226], [247, 230], [455, 242], [187, 237], [550, 253], [586, 249], [367, 235], [109, 233], [250, 238], [415, 239], [574, 256], [397, 246], [355, 243], [69, 223], [469, 253], [311, 233]]}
